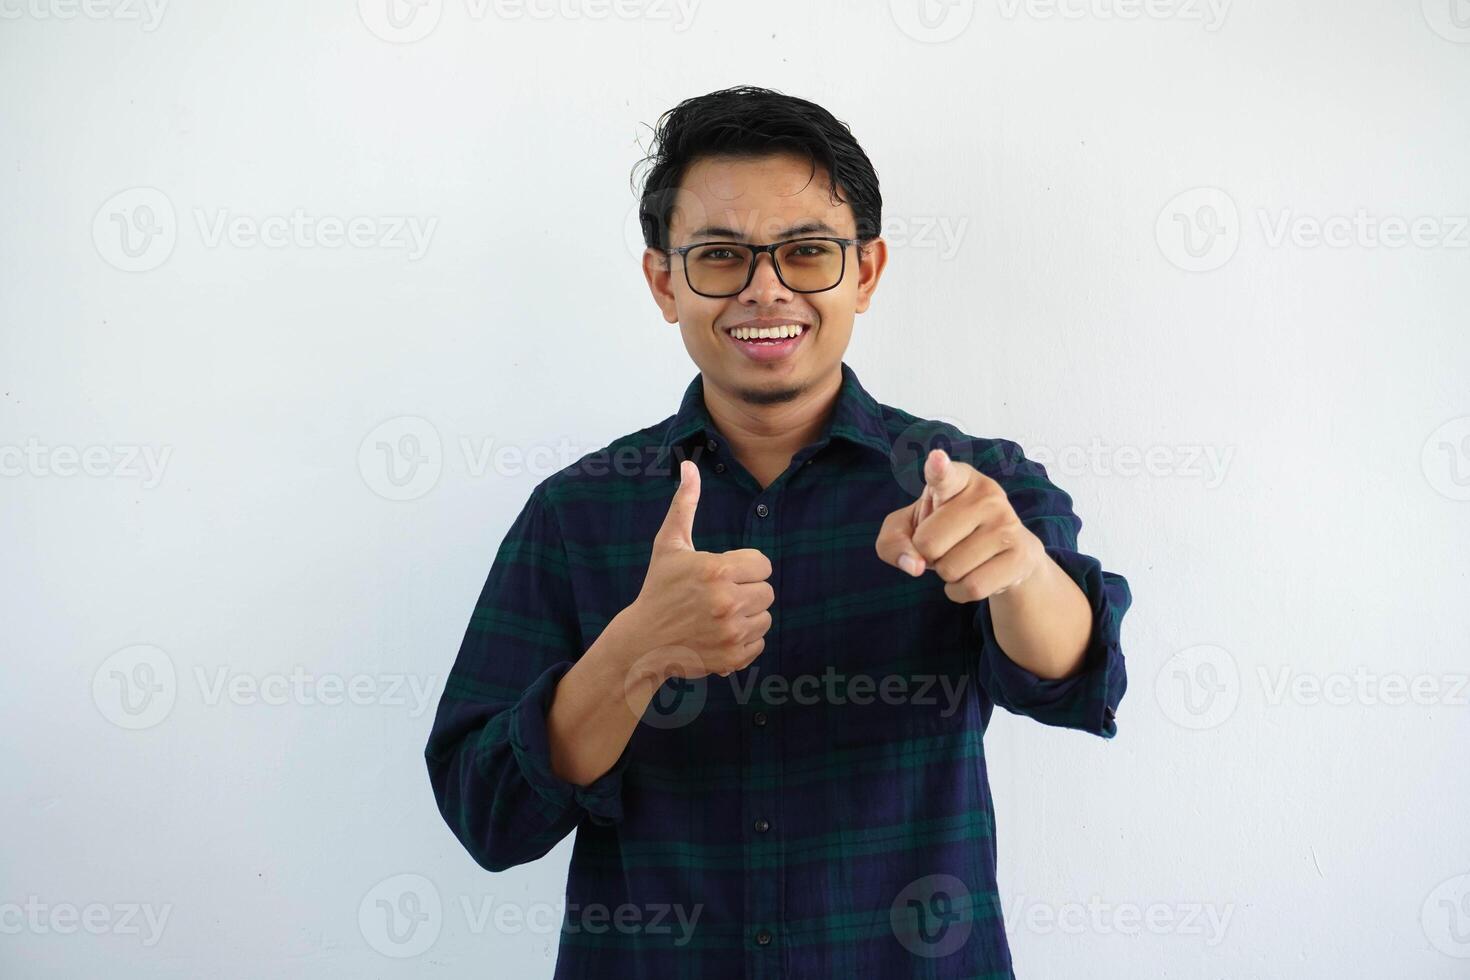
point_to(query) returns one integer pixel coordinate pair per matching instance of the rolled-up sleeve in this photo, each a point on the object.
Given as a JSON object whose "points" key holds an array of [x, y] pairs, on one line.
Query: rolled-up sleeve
{"points": [[488, 754], [1087, 700]]}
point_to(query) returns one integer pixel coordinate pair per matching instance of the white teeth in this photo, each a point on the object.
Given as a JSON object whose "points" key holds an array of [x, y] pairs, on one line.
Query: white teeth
{"points": [[777, 332]]}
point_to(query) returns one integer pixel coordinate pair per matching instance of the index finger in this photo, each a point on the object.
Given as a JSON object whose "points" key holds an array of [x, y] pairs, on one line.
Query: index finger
{"points": [[748, 565]]}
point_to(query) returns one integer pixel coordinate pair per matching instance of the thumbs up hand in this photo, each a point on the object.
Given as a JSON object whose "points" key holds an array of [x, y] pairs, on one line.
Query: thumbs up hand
{"points": [[715, 605], [963, 526]]}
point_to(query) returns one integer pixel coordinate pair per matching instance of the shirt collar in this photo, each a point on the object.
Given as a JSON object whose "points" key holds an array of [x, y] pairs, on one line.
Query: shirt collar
{"points": [[857, 419]]}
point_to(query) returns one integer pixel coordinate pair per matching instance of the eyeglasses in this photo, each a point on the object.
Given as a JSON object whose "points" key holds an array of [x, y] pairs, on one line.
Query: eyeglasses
{"points": [[804, 265]]}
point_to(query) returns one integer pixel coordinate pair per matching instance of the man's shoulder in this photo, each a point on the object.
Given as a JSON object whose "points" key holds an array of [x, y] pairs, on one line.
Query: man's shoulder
{"points": [[914, 436], [628, 459]]}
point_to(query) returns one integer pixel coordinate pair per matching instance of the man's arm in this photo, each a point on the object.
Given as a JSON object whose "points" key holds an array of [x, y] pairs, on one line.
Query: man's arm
{"points": [[1003, 537], [599, 701], [1043, 623], [697, 613]]}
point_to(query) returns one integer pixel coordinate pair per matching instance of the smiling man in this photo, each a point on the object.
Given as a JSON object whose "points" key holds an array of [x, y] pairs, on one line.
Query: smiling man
{"points": [[749, 653]]}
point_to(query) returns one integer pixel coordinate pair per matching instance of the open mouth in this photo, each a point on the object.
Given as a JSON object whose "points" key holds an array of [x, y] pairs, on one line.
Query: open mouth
{"points": [[768, 343]]}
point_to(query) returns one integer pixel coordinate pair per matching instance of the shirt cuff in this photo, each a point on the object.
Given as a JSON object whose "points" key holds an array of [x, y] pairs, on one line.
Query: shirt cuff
{"points": [[1086, 700], [602, 799]]}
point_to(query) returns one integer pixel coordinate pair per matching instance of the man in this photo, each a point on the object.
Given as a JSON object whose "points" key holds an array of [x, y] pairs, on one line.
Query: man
{"points": [[749, 653]]}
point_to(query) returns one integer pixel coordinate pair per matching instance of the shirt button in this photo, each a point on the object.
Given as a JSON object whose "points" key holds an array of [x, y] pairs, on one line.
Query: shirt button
{"points": [[761, 510], [719, 467], [712, 445], [762, 825], [763, 938], [760, 719], [807, 463]]}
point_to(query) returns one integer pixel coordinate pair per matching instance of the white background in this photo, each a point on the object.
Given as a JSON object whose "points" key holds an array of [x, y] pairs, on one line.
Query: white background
{"points": [[1041, 288]]}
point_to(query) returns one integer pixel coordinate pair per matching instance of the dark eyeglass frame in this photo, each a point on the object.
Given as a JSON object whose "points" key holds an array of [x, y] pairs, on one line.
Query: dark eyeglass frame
{"points": [[755, 255]]}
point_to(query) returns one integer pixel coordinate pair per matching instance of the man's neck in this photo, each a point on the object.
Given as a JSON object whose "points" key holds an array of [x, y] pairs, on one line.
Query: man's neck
{"points": [[765, 437]]}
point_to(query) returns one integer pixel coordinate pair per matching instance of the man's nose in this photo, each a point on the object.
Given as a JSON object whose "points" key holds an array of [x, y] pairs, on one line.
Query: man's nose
{"points": [[765, 286]]}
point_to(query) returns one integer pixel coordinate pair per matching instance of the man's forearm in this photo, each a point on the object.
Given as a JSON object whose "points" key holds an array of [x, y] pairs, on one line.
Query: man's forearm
{"points": [[1044, 623], [592, 714]]}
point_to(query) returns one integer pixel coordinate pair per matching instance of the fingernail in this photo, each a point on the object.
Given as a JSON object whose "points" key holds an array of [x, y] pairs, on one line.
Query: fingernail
{"points": [[907, 563]]}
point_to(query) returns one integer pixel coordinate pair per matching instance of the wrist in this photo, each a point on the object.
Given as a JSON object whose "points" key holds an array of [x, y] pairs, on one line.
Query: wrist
{"points": [[638, 643]]}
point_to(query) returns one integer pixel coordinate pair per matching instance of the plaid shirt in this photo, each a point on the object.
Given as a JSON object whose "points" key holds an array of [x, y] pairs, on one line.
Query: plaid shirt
{"points": [[825, 812]]}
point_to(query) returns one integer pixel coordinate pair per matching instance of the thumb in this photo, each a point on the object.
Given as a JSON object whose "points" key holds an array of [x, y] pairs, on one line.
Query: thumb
{"points": [[677, 530]]}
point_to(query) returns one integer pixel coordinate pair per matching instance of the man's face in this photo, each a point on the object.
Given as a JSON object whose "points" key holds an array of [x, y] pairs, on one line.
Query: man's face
{"points": [[758, 201]]}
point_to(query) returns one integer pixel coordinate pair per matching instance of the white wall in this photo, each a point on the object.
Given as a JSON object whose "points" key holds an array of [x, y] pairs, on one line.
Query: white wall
{"points": [[1038, 290]]}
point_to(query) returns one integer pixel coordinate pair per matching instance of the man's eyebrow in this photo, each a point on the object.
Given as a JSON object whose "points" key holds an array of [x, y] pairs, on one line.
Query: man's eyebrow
{"points": [[811, 227]]}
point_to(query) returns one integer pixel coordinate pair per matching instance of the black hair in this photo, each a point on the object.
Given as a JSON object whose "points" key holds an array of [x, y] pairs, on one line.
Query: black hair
{"points": [[747, 121]]}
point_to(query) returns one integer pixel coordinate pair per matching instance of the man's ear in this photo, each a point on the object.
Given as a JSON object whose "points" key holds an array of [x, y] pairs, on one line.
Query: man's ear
{"points": [[872, 257], [657, 269]]}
